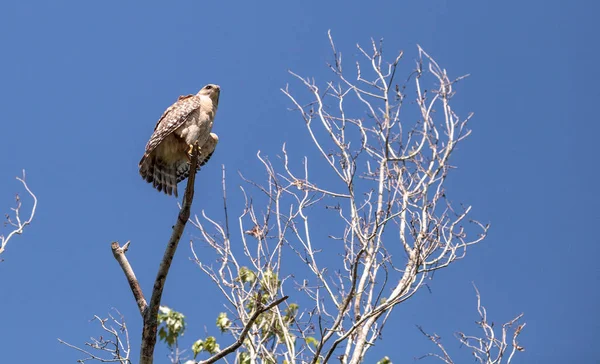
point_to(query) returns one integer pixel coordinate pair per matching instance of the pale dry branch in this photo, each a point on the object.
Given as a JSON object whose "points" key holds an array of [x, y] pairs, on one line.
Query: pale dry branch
{"points": [[119, 254], [445, 357], [150, 315], [112, 349], [15, 220], [490, 347]]}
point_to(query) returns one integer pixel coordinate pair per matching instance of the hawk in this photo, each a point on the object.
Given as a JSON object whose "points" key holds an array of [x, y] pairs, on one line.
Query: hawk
{"points": [[188, 121]]}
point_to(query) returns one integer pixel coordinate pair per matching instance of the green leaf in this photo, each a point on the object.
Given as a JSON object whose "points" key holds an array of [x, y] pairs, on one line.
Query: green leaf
{"points": [[269, 282], [172, 325], [197, 347], [223, 323], [162, 334], [244, 358], [290, 313], [385, 360], [246, 275], [211, 346], [312, 341]]}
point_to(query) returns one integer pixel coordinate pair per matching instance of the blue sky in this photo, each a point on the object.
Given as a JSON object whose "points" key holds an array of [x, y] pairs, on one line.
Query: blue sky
{"points": [[83, 83]]}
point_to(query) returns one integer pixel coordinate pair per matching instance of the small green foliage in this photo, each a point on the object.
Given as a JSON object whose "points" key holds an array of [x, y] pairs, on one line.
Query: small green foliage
{"points": [[312, 341], [223, 322], [208, 345], [290, 312], [211, 346], [244, 358], [269, 282], [172, 325], [246, 275], [270, 328], [385, 360], [197, 347]]}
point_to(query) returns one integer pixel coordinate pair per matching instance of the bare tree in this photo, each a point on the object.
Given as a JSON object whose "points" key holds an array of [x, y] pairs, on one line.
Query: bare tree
{"points": [[15, 219], [371, 227], [382, 204]]}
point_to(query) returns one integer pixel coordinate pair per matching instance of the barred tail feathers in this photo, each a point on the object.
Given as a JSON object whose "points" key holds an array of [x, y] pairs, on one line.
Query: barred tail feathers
{"points": [[183, 170], [161, 174]]}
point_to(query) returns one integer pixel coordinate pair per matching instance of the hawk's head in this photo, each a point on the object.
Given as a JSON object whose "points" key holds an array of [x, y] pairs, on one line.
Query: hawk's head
{"points": [[211, 91]]}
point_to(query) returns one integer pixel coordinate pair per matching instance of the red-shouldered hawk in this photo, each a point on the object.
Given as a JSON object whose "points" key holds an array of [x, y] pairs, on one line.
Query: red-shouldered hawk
{"points": [[189, 120]]}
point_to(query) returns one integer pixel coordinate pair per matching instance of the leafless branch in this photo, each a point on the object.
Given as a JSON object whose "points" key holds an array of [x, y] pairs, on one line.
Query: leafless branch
{"points": [[438, 342], [112, 349], [489, 348], [119, 254], [15, 220]]}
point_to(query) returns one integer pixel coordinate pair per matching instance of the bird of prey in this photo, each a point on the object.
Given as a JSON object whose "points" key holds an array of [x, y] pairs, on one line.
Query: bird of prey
{"points": [[188, 121]]}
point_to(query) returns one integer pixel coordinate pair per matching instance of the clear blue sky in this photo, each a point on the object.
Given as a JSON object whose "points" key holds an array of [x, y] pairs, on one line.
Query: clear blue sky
{"points": [[82, 84]]}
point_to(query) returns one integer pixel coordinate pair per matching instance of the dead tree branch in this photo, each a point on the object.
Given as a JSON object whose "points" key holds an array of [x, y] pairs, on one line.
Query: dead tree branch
{"points": [[16, 221], [114, 348], [491, 347], [151, 313], [119, 254]]}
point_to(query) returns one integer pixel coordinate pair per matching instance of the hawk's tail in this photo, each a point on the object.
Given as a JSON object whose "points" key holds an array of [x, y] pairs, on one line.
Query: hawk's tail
{"points": [[162, 175]]}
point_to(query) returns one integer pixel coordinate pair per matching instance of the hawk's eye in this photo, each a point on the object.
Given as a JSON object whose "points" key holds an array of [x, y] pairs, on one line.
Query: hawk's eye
{"points": [[208, 87]]}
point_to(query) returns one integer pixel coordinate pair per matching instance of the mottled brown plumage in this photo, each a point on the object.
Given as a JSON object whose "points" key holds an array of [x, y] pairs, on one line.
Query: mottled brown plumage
{"points": [[185, 123]]}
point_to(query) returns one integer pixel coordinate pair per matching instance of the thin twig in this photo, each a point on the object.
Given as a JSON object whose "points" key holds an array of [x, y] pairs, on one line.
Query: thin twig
{"points": [[116, 347], [19, 225]]}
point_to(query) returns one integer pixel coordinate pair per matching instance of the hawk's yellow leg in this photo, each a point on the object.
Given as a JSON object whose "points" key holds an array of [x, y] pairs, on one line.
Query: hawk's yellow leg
{"points": [[191, 150]]}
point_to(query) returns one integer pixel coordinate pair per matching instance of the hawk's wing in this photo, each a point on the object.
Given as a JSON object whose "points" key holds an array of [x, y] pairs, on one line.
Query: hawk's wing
{"points": [[172, 119], [207, 150]]}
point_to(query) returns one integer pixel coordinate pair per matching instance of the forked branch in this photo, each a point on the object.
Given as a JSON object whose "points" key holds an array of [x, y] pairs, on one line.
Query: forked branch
{"points": [[15, 220], [111, 348], [148, 311]]}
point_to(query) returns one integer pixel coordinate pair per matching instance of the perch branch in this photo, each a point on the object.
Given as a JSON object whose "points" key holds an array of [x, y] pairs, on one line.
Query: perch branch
{"points": [[151, 314]]}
